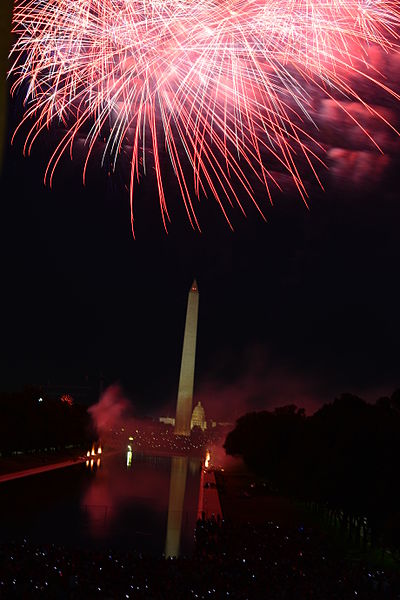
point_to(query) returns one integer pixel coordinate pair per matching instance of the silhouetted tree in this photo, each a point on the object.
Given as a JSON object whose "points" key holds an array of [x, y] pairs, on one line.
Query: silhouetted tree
{"points": [[26, 423], [344, 457]]}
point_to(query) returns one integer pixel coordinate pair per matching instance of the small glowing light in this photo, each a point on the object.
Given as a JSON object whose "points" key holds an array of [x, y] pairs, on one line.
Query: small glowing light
{"points": [[98, 462], [88, 453], [99, 451], [40, 400], [67, 399]]}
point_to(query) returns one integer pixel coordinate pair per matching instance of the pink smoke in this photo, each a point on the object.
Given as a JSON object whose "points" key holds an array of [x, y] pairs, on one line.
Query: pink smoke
{"points": [[111, 410]]}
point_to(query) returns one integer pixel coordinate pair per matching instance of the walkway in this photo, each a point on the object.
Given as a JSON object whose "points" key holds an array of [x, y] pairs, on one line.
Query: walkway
{"points": [[209, 503], [37, 470]]}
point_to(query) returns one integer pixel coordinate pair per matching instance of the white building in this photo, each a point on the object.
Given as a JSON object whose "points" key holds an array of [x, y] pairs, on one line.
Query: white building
{"points": [[198, 417]]}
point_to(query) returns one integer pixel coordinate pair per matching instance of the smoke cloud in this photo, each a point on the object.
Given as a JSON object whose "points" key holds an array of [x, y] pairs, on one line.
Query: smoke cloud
{"points": [[252, 392], [263, 384], [111, 411]]}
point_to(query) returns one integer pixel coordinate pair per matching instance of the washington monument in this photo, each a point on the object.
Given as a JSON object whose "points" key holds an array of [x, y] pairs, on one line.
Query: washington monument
{"points": [[186, 379]]}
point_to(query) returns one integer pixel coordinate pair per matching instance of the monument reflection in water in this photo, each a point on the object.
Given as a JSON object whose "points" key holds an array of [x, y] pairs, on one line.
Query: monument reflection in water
{"points": [[177, 487], [150, 498]]}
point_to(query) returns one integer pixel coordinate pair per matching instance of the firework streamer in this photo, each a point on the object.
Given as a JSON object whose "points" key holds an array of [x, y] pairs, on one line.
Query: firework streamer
{"points": [[5, 27], [224, 87]]}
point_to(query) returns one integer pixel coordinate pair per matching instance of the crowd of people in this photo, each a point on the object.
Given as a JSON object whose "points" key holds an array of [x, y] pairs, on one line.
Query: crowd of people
{"points": [[159, 438], [272, 561], [230, 561]]}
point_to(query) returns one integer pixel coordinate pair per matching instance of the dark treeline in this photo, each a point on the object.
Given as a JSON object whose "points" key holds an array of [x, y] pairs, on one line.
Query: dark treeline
{"points": [[30, 424], [343, 461]]}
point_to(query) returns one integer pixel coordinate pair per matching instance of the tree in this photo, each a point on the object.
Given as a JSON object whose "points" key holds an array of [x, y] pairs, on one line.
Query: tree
{"points": [[345, 456]]}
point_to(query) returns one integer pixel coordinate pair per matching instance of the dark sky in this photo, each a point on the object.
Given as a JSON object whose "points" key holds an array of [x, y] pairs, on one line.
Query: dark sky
{"points": [[297, 309]]}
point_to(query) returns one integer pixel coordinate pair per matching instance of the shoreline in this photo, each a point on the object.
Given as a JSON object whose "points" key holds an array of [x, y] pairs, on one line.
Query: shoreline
{"points": [[38, 470], [209, 500], [24, 462]]}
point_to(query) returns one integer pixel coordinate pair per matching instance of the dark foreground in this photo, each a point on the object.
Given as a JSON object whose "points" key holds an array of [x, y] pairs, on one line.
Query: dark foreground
{"points": [[234, 561]]}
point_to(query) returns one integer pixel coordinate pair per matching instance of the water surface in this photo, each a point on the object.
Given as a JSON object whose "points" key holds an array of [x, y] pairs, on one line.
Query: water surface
{"points": [[149, 505]]}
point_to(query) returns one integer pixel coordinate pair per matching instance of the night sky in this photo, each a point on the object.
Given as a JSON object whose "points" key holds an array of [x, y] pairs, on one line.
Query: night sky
{"points": [[295, 310]]}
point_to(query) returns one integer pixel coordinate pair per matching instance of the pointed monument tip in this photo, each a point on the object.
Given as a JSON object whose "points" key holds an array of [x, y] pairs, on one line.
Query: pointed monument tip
{"points": [[195, 287]]}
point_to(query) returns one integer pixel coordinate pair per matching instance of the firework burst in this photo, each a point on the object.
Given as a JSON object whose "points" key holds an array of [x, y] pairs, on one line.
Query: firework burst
{"points": [[220, 85]]}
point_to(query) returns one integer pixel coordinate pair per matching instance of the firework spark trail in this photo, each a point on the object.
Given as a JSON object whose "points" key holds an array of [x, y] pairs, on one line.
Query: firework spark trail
{"points": [[223, 85]]}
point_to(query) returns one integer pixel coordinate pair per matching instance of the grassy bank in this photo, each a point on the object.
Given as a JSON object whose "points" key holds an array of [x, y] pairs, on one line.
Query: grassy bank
{"points": [[30, 460], [244, 499]]}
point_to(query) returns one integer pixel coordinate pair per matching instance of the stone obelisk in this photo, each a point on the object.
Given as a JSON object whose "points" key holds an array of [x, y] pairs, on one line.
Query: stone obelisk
{"points": [[186, 379]]}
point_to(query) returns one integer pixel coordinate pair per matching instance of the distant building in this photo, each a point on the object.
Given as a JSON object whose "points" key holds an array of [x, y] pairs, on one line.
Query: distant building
{"points": [[167, 421], [198, 417]]}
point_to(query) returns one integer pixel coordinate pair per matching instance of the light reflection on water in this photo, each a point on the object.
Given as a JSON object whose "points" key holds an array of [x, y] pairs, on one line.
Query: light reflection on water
{"points": [[145, 503], [177, 487]]}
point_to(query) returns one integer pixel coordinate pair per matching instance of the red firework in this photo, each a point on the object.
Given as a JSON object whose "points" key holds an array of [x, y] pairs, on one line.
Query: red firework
{"points": [[225, 86]]}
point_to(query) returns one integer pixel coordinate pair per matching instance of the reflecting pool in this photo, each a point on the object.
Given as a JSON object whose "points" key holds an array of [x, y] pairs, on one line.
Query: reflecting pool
{"points": [[141, 502]]}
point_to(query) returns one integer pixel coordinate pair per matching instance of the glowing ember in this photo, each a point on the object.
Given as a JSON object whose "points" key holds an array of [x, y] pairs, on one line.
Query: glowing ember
{"points": [[223, 87], [67, 399]]}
